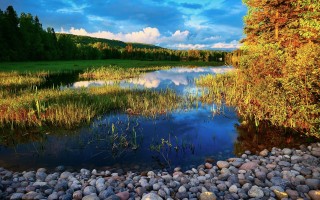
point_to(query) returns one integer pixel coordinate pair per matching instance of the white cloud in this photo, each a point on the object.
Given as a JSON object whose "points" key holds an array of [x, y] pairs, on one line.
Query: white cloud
{"points": [[178, 36], [73, 8], [147, 35], [222, 45], [212, 38], [189, 46]]}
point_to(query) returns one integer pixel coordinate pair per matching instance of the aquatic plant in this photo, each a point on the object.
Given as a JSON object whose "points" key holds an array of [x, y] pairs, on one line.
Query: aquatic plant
{"points": [[117, 73]]}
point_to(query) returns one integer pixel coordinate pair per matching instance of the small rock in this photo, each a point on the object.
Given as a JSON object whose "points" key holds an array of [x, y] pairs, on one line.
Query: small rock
{"points": [[222, 187], [41, 175], [222, 164], [89, 190], [292, 194], [90, 197], [65, 175], [151, 174], [140, 190], [123, 195], [280, 195], [156, 186], [287, 151], [305, 171], [284, 163], [151, 196], [177, 169], [182, 195], [30, 195], [182, 189], [314, 194], [85, 172], [255, 192], [208, 165], [233, 189], [53, 196], [29, 175], [106, 193], [314, 184], [302, 188], [77, 195], [207, 196], [113, 197], [16, 196], [264, 153], [248, 166]]}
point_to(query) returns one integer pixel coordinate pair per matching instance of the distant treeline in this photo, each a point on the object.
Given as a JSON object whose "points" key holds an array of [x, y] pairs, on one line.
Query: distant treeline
{"points": [[23, 39]]}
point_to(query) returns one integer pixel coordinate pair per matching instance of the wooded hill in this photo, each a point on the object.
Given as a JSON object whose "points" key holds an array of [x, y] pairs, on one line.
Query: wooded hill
{"points": [[23, 39], [86, 40]]}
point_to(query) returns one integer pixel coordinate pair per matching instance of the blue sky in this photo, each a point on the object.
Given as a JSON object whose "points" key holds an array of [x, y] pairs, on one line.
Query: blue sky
{"points": [[176, 24]]}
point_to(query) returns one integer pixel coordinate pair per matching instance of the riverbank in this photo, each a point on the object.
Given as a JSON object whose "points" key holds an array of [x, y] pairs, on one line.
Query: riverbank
{"points": [[82, 65], [276, 174]]}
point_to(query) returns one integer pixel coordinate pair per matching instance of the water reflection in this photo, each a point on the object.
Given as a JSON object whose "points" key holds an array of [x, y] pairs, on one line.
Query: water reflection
{"points": [[125, 140], [161, 79]]}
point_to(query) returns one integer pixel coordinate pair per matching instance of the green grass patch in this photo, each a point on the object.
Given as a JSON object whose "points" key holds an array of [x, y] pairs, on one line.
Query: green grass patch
{"points": [[63, 66]]}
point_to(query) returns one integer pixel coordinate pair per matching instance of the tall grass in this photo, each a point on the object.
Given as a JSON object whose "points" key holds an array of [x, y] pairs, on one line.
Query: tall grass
{"points": [[117, 73], [63, 66], [70, 108]]}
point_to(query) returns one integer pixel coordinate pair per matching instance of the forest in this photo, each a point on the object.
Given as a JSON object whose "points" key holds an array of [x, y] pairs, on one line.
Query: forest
{"points": [[277, 81], [24, 39]]}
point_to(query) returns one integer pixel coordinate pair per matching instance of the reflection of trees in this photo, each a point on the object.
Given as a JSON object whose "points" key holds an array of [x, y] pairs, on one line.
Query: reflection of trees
{"points": [[266, 137], [12, 138]]}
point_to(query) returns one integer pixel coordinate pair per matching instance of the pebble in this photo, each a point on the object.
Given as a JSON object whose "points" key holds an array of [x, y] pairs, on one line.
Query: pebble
{"points": [[255, 192], [182, 189], [90, 197], [248, 166], [207, 196], [314, 194], [222, 164], [233, 189], [273, 174], [151, 196], [264, 152], [16, 196], [280, 195], [123, 195], [313, 184], [287, 151]]}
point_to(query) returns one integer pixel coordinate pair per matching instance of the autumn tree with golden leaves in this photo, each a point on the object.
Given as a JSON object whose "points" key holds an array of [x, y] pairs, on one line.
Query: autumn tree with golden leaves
{"points": [[279, 72]]}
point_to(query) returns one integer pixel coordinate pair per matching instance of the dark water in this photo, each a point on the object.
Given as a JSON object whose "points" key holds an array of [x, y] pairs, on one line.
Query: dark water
{"points": [[182, 138]]}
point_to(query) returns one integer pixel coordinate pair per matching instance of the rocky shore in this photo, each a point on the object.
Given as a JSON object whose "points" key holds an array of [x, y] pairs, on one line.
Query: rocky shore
{"points": [[276, 174]]}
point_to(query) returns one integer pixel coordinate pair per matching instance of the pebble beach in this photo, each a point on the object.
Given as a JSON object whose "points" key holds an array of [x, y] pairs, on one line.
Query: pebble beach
{"points": [[271, 174]]}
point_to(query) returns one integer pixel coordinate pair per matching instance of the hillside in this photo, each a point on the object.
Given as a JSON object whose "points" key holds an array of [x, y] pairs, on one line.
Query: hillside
{"points": [[111, 43]]}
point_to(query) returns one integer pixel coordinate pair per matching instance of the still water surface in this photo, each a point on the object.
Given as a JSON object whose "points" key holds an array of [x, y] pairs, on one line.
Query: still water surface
{"points": [[181, 138]]}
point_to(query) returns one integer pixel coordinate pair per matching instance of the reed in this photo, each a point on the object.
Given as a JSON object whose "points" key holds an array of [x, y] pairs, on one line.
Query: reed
{"points": [[70, 108], [117, 73]]}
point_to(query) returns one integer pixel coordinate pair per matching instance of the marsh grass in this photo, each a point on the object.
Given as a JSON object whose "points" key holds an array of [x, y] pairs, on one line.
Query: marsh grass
{"points": [[221, 89], [117, 73], [67, 66], [70, 108], [15, 80]]}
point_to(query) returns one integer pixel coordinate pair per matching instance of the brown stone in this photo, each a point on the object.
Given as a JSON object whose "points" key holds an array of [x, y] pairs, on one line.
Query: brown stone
{"points": [[249, 166], [208, 165], [314, 194], [123, 195], [207, 196], [292, 194]]}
